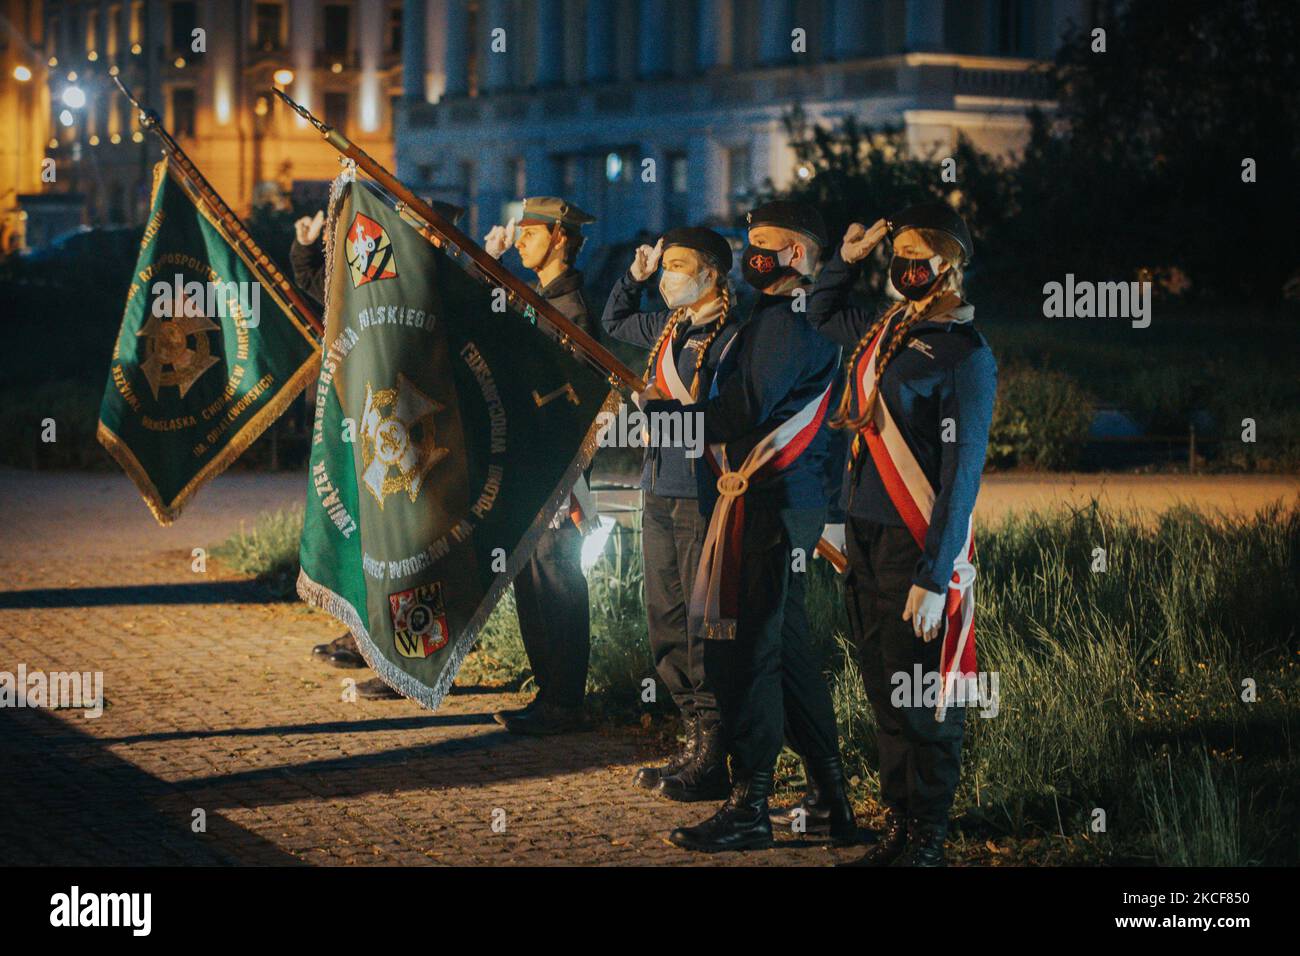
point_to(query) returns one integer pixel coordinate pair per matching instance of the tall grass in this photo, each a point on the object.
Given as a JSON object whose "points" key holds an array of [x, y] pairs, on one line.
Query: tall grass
{"points": [[1161, 687]]}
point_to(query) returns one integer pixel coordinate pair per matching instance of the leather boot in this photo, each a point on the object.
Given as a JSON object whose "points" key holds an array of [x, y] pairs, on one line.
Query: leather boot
{"points": [[826, 808], [704, 776], [741, 824], [924, 845], [891, 844], [648, 777]]}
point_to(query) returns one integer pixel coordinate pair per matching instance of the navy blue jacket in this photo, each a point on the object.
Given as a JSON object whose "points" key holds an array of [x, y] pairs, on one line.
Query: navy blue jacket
{"points": [[666, 471], [945, 370], [776, 365]]}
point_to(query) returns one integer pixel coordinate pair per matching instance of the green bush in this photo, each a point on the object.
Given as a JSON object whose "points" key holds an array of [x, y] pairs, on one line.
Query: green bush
{"points": [[1040, 420]]}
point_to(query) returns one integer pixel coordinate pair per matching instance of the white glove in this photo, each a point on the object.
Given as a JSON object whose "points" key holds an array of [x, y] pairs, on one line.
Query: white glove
{"points": [[833, 534], [646, 261], [307, 229], [498, 239], [925, 610], [859, 240]]}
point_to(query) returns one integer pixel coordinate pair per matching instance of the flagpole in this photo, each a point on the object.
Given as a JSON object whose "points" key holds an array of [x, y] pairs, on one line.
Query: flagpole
{"points": [[261, 264], [459, 243]]}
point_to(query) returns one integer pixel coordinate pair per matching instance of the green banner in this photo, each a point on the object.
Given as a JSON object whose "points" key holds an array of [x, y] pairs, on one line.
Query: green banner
{"points": [[447, 434], [207, 356]]}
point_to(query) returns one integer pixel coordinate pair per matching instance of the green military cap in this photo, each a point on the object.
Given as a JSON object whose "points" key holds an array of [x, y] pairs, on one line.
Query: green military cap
{"points": [[548, 210]]}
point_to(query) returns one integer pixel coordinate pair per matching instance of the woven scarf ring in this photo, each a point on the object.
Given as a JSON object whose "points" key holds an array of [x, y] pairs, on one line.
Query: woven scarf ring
{"points": [[724, 290]]}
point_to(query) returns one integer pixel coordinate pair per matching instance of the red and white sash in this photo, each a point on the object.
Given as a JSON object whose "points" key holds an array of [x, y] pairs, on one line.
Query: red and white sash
{"points": [[666, 375], [912, 495], [715, 596]]}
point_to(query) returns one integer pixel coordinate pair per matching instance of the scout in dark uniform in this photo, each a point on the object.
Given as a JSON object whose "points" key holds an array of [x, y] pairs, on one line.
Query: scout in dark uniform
{"points": [[918, 404], [551, 590], [685, 342], [767, 501], [307, 259]]}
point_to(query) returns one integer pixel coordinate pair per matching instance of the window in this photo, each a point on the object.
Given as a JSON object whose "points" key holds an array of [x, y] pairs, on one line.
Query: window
{"points": [[738, 172], [394, 29], [677, 173], [185, 19], [266, 27], [336, 110], [336, 28], [182, 121], [1013, 27]]}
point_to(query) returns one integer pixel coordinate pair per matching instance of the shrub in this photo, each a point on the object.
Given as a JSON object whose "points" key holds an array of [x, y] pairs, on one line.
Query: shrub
{"points": [[1040, 421]]}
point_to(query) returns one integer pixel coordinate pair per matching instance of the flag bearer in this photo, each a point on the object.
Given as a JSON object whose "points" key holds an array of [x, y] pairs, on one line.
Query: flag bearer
{"points": [[551, 590]]}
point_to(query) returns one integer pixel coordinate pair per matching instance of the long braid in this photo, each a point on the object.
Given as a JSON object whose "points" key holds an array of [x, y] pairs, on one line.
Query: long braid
{"points": [[843, 412], [725, 293], [654, 351]]}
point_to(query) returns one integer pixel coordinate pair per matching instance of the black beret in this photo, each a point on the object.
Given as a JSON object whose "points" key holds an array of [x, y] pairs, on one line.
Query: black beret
{"points": [[701, 240], [938, 216], [797, 216]]}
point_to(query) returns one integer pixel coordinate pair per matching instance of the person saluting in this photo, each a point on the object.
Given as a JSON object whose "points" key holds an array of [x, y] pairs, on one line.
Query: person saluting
{"points": [[918, 402], [685, 342]]}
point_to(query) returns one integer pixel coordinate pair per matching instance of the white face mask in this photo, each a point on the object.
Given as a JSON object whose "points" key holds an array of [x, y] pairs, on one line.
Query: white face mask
{"points": [[679, 289]]}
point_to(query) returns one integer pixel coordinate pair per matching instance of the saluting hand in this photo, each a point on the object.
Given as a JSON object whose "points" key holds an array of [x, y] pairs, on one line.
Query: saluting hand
{"points": [[925, 610], [307, 229], [498, 239], [859, 240], [646, 261]]}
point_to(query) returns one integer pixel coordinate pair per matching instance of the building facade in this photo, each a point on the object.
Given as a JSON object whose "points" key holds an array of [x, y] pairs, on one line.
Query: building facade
{"points": [[208, 68], [585, 98]]}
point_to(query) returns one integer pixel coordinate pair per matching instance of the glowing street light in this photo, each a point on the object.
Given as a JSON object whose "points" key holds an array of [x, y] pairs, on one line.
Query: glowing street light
{"points": [[75, 97], [66, 118], [22, 74], [283, 77]]}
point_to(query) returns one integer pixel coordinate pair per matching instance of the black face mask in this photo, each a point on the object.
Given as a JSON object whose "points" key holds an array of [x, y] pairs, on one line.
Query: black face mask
{"points": [[914, 278], [762, 267]]}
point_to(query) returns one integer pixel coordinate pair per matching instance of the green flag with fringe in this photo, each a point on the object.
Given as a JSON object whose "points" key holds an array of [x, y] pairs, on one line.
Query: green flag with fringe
{"points": [[207, 356], [449, 431]]}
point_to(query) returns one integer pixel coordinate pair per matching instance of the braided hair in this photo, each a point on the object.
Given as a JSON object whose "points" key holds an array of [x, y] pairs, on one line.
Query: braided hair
{"points": [[724, 290], [950, 284]]}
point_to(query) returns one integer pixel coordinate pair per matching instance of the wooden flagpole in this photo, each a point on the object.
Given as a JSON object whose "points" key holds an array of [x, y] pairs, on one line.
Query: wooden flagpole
{"points": [[457, 243], [260, 263]]}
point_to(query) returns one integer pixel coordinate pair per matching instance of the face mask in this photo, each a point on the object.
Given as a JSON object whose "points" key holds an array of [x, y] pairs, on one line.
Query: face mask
{"points": [[762, 267], [679, 289], [914, 278]]}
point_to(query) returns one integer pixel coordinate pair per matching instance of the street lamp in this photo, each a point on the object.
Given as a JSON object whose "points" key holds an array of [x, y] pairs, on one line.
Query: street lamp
{"points": [[22, 74], [283, 77], [75, 97]]}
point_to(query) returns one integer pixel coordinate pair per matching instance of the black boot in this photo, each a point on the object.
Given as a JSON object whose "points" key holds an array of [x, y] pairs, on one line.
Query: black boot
{"points": [[924, 845], [501, 716], [704, 776], [891, 844], [741, 824], [648, 777], [826, 808]]}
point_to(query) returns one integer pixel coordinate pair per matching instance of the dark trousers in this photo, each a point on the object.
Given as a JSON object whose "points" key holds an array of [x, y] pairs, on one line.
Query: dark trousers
{"points": [[768, 679], [920, 757], [555, 616], [672, 538]]}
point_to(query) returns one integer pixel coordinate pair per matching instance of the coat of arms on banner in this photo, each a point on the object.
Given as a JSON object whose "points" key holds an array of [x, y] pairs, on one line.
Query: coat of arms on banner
{"points": [[369, 252], [397, 431], [419, 620]]}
